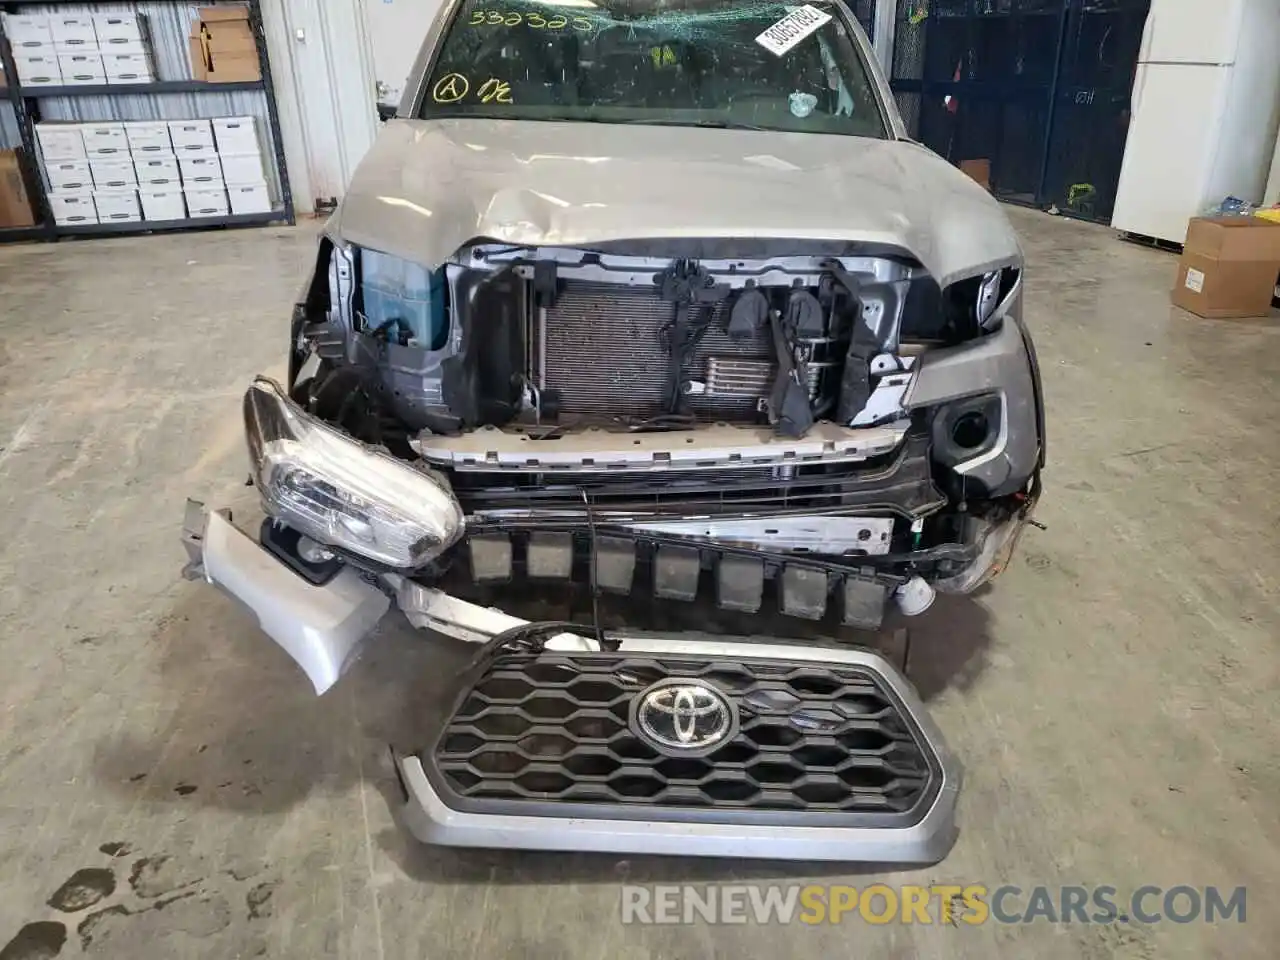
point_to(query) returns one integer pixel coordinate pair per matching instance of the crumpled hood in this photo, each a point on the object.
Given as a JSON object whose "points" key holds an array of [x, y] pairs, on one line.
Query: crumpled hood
{"points": [[428, 187]]}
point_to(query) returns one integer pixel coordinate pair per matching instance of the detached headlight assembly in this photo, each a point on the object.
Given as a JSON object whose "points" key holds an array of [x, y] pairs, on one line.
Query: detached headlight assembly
{"points": [[338, 492]]}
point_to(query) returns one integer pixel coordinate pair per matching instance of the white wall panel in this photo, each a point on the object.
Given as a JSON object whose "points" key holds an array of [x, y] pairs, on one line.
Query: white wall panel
{"points": [[280, 54], [1272, 196], [322, 67], [396, 31], [886, 26]]}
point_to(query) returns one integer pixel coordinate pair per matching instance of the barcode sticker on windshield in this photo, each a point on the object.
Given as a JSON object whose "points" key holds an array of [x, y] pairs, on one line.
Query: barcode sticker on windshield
{"points": [[793, 28]]}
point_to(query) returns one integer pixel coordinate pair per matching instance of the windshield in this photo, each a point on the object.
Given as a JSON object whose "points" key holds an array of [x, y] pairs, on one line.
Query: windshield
{"points": [[725, 63]]}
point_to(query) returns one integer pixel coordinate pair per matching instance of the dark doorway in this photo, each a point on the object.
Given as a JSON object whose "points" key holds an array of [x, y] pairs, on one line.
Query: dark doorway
{"points": [[865, 11], [1038, 88], [1091, 113]]}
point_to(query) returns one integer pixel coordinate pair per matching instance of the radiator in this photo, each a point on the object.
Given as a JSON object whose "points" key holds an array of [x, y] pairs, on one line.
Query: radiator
{"points": [[606, 353]]}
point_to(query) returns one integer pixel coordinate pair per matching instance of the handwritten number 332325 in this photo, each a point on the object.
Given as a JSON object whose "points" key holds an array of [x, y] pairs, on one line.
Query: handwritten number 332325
{"points": [[496, 18]]}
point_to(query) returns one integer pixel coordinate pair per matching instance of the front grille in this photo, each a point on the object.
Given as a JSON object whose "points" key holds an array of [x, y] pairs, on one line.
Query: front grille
{"points": [[812, 739]]}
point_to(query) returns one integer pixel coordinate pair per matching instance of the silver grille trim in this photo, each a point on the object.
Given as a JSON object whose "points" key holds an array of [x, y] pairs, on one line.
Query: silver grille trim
{"points": [[719, 446], [865, 536]]}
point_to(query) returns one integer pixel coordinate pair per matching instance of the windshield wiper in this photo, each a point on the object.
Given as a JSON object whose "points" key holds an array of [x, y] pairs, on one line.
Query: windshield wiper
{"points": [[714, 124]]}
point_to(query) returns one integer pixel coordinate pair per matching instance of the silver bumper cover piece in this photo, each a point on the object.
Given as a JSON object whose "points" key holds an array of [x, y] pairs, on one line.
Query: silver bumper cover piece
{"points": [[431, 821], [321, 627]]}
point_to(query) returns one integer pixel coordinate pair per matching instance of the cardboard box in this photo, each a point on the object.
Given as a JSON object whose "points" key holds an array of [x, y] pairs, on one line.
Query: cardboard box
{"points": [[84, 80], [235, 39], [73, 208], [235, 69], [236, 135], [194, 150], [978, 170], [223, 47], [223, 14], [252, 198], [134, 79], [37, 71], [73, 34], [242, 169], [113, 174], [206, 201], [126, 66], [68, 176], [199, 65], [61, 141], [117, 206], [15, 204], [28, 30], [148, 137], [163, 205], [1229, 267], [118, 27], [156, 172], [191, 136], [103, 140], [82, 68], [137, 48], [200, 171]]}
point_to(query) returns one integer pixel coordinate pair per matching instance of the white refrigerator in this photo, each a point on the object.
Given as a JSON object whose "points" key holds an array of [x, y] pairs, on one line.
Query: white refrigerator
{"points": [[1205, 113]]}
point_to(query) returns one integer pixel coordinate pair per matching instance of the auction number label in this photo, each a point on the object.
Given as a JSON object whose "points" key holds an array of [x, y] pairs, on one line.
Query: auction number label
{"points": [[792, 29], [510, 18]]}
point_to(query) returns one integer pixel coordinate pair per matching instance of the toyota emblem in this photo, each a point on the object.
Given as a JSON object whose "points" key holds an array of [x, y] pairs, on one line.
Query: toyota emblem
{"points": [[683, 716]]}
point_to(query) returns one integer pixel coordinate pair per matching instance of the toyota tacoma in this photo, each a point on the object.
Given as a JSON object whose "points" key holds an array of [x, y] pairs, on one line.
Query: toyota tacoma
{"points": [[655, 298]]}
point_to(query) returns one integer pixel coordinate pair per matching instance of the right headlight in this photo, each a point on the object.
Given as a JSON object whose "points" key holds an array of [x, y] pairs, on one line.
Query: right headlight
{"points": [[341, 493], [988, 297], [977, 305]]}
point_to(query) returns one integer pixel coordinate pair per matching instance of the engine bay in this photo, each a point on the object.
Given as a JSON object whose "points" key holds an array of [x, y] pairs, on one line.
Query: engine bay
{"points": [[686, 408], [549, 341]]}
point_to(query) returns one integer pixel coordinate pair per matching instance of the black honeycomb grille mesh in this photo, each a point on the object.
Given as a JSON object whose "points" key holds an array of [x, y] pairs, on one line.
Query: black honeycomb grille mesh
{"points": [[555, 727]]}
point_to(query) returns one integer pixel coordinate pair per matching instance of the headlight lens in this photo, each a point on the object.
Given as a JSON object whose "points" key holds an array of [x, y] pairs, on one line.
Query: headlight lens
{"points": [[988, 297], [977, 304], [338, 492]]}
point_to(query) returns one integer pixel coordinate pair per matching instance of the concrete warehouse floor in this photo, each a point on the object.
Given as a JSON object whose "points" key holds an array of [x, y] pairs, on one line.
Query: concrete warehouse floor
{"points": [[1113, 698]]}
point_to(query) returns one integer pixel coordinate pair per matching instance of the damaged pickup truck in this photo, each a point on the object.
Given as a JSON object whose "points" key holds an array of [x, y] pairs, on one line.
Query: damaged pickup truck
{"points": [[656, 297]]}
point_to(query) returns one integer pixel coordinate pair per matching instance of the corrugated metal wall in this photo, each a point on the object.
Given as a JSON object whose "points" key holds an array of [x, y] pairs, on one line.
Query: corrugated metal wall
{"points": [[326, 91]]}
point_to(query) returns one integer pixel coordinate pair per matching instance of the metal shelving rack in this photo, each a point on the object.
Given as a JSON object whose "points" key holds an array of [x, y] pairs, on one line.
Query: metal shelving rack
{"points": [[26, 108]]}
